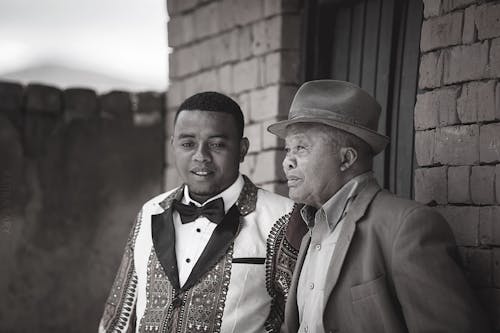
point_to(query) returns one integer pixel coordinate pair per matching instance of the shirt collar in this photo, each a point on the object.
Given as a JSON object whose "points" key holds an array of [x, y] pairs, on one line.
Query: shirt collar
{"points": [[335, 208], [229, 195]]}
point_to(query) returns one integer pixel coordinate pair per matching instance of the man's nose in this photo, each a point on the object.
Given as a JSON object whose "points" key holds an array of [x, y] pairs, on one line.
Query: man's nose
{"points": [[289, 163], [202, 154]]}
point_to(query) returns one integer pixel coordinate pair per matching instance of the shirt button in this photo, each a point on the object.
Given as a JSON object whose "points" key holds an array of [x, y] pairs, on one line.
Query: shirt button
{"points": [[311, 285], [306, 329], [318, 247], [198, 230], [188, 260]]}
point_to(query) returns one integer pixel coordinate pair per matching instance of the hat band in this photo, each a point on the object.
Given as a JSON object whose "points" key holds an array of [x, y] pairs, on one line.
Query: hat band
{"points": [[305, 113]]}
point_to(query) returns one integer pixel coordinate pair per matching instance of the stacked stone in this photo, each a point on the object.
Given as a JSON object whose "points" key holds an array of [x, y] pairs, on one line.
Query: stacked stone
{"points": [[457, 123], [247, 50]]}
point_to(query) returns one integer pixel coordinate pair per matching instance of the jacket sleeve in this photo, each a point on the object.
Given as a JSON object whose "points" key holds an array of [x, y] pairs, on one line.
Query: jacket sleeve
{"points": [[119, 309], [283, 246], [428, 279]]}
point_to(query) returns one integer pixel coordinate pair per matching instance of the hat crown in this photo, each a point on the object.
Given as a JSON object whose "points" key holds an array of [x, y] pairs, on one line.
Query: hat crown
{"points": [[336, 100]]}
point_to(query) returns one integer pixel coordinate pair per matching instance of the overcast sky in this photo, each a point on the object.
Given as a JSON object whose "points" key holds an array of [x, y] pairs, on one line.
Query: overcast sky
{"points": [[123, 39]]}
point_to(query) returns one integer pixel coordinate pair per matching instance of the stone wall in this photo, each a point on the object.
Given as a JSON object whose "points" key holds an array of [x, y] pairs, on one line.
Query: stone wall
{"points": [[457, 140], [75, 168], [248, 49]]}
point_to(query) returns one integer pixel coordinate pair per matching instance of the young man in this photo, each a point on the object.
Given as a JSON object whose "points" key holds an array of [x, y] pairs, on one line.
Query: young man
{"points": [[210, 255], [371, 262]]}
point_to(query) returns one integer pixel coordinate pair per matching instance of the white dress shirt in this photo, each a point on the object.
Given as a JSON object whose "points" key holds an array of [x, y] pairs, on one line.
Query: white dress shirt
{"points": [[191, 238], [324, 226]]}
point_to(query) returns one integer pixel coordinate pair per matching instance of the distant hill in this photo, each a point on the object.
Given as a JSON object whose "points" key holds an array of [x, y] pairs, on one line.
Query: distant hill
{"points": [[66, 77]]}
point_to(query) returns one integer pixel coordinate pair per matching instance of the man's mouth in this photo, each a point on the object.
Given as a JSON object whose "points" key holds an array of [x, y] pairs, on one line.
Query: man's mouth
{"points": [[293, 181], [202, 172]]}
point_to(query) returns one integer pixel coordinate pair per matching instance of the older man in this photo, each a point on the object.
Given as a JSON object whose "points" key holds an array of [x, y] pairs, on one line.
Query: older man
{"points": [[371, 262], [210, 255]]}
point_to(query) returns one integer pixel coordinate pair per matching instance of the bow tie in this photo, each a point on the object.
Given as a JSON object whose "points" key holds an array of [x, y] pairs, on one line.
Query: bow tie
{"points": [[214, 211]]}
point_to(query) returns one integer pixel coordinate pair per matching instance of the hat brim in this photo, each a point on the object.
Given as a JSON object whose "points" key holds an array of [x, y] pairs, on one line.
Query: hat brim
{"points": [[376, 140]]}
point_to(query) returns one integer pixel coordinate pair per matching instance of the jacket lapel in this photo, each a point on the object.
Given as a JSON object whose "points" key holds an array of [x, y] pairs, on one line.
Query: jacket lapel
{"points": [[355, 212], [163, 234], [291, 310]]}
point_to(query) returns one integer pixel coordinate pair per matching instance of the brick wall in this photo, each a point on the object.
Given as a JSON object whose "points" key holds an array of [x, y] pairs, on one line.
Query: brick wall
{"points": [[247, 49], [457, 139], [75, 168]]}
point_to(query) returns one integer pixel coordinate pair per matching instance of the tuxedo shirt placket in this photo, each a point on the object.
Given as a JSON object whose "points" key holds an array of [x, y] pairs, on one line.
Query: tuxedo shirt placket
{"points": [[192, 238]]}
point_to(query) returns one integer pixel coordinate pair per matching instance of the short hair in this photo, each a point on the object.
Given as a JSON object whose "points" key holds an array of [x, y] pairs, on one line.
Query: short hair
{"points": [[213, 101]]}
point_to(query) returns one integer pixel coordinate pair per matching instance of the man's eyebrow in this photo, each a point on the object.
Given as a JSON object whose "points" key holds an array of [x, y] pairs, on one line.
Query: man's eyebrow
{"points": [[184, 136]]}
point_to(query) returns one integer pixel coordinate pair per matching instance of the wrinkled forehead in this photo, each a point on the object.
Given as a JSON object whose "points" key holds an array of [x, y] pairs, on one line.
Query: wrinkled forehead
{"points": [[309, 129]]}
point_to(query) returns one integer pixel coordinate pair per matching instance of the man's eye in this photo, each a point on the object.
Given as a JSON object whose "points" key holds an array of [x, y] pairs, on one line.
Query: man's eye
{"points": [[287, 150], [216, 145], [187, 144]]}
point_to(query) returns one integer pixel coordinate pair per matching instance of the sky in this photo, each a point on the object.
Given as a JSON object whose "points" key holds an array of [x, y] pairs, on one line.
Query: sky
{"points": [[105, 43]]}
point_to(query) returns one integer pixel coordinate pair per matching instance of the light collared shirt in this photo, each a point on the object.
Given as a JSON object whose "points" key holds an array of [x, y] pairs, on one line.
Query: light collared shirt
{"points": [[192, 238], [324, 225]]}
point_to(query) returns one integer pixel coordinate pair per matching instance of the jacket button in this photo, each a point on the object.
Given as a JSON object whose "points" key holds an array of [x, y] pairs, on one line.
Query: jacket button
{"points": [[176, 302]]}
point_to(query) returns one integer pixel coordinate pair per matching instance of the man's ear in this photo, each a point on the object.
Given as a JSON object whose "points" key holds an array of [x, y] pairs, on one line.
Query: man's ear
{"points": [[348, 155], [244, 145]]}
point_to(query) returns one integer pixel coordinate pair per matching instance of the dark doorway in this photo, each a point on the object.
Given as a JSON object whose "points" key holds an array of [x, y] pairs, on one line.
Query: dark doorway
{"points": [[375, 44]]}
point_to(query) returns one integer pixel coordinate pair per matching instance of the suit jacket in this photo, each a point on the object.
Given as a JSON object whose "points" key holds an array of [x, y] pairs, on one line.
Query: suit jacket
{"points": [[395, 269]]}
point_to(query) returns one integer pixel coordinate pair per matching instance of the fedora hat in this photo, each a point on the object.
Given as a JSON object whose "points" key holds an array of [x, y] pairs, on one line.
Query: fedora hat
{"points": [[339, 104]]}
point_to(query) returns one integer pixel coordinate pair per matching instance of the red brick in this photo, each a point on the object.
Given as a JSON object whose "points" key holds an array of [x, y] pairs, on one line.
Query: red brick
{"points": [[270, 141], [226, 15], [497, 183], [494, 67], [464, 221], [242, 37], [478, 265], [248, 11], [449, 5], [282, 67], [267, 167], [211, 52], [178, 6], [260, 42], [181, 30], [206, 20], [482, 181], [424, 147], [246, 75], [254, 134], [274, 7], [477, 102], [441, 31], [465, 63], [209, 80], [80, 103], [489, 225], [175, 93], [432, 8], [264, 103], [244, 102], [437, 107], [430, 70], [431, 185], [488, 21], [457, 145], [225, 78], [42, 98], [426, 111], [459, 184], [469, 29], [490, 143], [186, 60]]}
